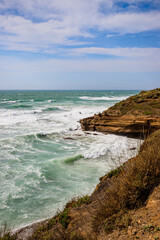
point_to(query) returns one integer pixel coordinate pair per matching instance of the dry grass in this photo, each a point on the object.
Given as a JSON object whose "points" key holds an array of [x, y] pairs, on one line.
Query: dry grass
{"points": [[135, 182], [121, 221]]}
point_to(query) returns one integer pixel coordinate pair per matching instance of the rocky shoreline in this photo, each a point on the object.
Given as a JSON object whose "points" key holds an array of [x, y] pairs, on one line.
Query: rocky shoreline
{"points": [[126, 202]]}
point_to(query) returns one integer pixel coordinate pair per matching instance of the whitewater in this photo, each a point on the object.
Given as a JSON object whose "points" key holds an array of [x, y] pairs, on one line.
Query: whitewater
{"points": [[45, 158]]}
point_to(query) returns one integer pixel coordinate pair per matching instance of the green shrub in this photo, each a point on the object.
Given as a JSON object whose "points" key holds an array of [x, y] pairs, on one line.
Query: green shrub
{"points": [[148, 112], [64, 218], [83, 200], [8, 236], [114, 172]]}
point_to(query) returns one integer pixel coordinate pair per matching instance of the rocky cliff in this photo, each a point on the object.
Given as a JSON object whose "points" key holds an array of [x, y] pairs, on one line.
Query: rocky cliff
{"points": [[134, 117]]}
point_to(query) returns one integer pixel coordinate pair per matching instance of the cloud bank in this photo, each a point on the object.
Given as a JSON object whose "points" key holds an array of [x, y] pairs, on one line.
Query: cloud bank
{"points": [[38, 25], [46, 37]]}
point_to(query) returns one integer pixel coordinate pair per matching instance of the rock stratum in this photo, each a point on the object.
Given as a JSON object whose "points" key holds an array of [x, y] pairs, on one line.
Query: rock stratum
{"points": [[136, 116]]}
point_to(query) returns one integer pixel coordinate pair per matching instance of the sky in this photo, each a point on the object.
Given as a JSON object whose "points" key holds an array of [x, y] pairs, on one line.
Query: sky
{"points": [[79, 44]]}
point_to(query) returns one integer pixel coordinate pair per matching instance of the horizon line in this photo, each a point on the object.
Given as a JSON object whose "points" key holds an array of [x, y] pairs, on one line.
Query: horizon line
{"points": [[73, 89]]}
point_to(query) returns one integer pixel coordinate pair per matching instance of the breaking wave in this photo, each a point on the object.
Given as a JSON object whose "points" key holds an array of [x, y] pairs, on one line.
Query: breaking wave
{"points": [[103, 98]]}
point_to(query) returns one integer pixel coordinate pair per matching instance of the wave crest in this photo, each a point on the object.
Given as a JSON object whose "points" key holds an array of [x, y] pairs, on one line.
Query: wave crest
{"points": [[103, 98]]}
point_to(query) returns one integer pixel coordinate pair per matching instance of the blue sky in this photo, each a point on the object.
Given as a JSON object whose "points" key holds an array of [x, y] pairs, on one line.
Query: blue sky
{"points": [[79, 44]]}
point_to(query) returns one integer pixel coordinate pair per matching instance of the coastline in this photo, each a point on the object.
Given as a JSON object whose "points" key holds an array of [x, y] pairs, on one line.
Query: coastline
{"points": [[24, 232], [71, 219], [79, 211], [38, 137]]}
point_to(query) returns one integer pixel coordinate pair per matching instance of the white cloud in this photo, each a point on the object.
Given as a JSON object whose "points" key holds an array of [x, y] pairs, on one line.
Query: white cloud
{"points": [[132, 53], [130, 22], [141, 61], [38, 25]]}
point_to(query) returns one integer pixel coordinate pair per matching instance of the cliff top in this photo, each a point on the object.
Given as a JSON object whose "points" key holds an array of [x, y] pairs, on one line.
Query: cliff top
{"points": [[145, 103]]}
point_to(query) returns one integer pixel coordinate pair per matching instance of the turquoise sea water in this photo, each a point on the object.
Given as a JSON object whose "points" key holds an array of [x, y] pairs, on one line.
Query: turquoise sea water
{"points": [[45, 158]]}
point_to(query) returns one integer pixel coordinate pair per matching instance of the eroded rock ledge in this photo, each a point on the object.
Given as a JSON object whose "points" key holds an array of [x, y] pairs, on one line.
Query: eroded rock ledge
{"points": [[134, 117]]}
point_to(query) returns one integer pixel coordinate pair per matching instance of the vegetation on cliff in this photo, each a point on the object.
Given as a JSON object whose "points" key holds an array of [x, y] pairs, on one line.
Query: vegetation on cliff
{"points": [[145, 103]]}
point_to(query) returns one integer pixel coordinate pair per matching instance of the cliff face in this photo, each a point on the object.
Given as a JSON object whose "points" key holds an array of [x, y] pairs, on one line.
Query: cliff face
{"points": [[136, 116]]}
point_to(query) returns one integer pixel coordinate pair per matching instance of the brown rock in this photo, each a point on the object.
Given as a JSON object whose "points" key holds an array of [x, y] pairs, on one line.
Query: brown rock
{"points": [[137, 116]]}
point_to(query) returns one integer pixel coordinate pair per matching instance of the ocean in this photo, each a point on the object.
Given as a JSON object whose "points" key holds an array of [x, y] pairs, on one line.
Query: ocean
{"points": [[45, 158]]}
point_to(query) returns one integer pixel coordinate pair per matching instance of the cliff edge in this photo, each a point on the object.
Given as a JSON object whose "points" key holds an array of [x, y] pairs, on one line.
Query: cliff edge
{"points": [[136, 116]]}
